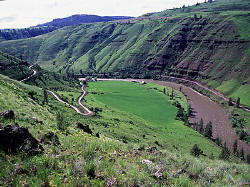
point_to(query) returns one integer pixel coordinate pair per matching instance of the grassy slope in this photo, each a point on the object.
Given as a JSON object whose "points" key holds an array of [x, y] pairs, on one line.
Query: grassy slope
{"points": [[13, 67], [80, 156]]}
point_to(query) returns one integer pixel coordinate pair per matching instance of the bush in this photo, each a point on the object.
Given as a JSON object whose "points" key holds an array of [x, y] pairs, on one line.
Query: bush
{"points": [[61, 124], [196, 151], [225, 154]]}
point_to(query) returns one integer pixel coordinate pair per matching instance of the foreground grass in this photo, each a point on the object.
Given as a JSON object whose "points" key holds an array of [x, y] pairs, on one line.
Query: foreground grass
{"points": [[108, 160]]}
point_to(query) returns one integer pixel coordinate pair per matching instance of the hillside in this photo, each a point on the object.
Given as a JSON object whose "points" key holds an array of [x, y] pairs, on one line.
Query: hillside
{"points": [[115, 157], [192, 42], [15, 34], [13, 67]]}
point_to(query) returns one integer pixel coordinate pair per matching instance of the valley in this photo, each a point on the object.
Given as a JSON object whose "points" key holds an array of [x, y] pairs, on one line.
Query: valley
{"points": [[162, 99]]}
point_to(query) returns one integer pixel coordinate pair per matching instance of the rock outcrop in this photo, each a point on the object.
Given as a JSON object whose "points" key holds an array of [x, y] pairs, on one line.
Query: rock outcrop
{"points": [[14, 139]]}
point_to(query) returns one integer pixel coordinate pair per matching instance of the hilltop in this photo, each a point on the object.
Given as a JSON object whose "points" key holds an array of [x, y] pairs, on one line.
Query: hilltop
{"points": [[15, 34], [80, 19]]}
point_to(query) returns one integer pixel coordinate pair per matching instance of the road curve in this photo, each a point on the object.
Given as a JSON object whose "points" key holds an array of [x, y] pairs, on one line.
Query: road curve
{"points": [[88, 112], [78, 110], [29, 77], [203, 107]]}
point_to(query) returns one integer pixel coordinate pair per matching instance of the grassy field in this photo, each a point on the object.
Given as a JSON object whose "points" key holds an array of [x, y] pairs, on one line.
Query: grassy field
{"points": [[234, 89], [149, 105]]}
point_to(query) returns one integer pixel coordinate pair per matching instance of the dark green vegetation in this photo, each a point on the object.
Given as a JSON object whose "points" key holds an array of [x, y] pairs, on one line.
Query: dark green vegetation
{"points": [[15, 34], [118, 157], [80, 19], [13, 67], [191, 42]]}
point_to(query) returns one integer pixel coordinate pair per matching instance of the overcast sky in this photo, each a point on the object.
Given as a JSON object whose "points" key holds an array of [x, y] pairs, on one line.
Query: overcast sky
{"points": [[25, 13]]}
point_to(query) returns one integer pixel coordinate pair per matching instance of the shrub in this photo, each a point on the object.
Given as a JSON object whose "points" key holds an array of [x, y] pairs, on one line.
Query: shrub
{"points": [[225, 154], [196, 151], [61, 124]]}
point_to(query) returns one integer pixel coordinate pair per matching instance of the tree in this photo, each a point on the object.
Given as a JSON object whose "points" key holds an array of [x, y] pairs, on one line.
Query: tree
{"points": [[208, 130], [242, 157], [230, 103], [238, 102], [196, 151], [248, 158], [45, 96], [172, 94], [200, 126], [218, 141], [235, 147], [195, 17], [225, 154]]}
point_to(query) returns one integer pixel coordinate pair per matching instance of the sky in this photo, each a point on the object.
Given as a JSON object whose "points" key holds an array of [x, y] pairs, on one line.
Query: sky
{"points": [[25, 13]]}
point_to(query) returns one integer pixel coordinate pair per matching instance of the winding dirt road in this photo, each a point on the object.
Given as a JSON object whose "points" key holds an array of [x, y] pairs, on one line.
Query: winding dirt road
{"points": [[29, 77], [79, 111], [203, 107]]}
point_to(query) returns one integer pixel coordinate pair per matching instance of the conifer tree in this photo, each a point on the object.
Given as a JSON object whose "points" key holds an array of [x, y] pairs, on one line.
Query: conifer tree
{"points": [[242, 154], [208, 130], [235, 147], [238, 103], [196, 151]]}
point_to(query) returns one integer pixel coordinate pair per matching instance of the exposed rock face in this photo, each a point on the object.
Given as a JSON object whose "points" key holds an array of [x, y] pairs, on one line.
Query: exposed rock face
{"points": [[50, 138], [15, 138], [85, 128], [9, 114]]}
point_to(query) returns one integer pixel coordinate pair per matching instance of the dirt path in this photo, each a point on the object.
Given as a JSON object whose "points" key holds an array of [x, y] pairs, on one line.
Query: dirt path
{"points": [[79, 111], [88, 112], [34, 73], [203, 107]]}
